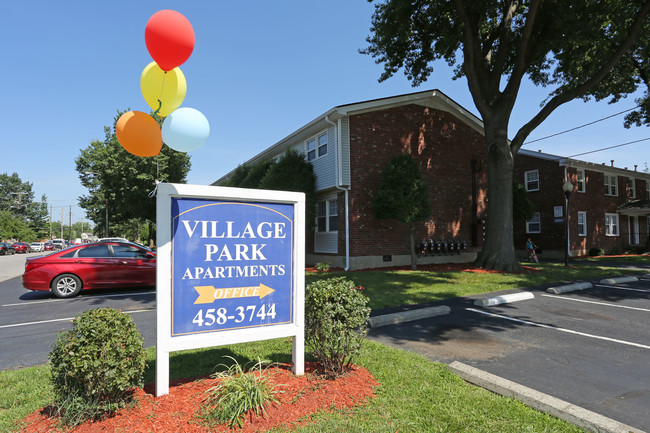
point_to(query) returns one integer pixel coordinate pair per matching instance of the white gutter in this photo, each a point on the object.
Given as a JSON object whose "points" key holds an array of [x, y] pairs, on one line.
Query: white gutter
{"points": [[338, 186]]}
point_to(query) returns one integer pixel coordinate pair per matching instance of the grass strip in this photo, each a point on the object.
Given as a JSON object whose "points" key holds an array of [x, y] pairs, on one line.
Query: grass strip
{"points": [[390, 288]]}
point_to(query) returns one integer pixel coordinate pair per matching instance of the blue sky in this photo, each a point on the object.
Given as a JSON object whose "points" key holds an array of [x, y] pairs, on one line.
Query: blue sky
{"points": [[259, 70]]}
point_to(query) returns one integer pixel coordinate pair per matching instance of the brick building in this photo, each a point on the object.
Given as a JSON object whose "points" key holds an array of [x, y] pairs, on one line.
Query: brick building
{"points": [[349, 147], [609, 207]]}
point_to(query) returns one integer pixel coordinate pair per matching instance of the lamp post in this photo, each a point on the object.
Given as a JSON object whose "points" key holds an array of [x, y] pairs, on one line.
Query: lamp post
{"points": [[568, 189], [105, 207]]}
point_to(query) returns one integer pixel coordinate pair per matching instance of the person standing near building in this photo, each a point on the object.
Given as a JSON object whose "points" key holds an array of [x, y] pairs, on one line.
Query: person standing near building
{"points": [[530, 247]]}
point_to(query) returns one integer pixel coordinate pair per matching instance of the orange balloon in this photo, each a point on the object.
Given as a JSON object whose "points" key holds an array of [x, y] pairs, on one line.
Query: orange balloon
{"points": [[139, 133]]}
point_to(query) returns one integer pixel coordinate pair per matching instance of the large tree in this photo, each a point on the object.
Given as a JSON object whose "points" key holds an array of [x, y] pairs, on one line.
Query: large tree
{"points": [[576, 48], [121, 184]]}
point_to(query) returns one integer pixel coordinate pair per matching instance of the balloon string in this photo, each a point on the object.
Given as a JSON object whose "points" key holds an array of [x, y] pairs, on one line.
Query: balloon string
{"points": [[162, 86]]}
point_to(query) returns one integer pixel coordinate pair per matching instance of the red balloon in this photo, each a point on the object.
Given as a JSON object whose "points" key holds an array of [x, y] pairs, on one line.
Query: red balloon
{"points": [[170, 38]]}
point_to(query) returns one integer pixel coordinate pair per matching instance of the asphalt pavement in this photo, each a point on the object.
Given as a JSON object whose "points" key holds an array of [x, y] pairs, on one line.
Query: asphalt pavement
{"points": [[589, 347]]}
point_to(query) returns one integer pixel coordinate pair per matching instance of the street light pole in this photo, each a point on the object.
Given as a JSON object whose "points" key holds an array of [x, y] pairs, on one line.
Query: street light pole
{"points": [[568, 189], [105, 204]]}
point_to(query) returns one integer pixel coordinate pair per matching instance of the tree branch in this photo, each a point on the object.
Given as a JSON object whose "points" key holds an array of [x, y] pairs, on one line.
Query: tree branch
{"points": [[572, 93]]}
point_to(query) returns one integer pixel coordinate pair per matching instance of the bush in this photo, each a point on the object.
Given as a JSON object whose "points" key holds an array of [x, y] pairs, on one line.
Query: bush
{"points": [[237, 393], [595, 251], [336, 319], [95, 365], [322, 267]]}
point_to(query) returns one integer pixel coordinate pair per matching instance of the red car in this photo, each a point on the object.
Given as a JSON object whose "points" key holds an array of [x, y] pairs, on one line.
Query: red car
{"points": [[49, 246], [91, 266], [22, 247]]}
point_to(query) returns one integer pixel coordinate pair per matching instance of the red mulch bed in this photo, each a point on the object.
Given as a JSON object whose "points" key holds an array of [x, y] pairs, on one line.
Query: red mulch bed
{"points": [[458, 267], [300, 397]]}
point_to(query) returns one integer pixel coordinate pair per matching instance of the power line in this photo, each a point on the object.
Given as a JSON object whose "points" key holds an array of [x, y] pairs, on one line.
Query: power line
{"points": [[582, 126], [610, 147]]}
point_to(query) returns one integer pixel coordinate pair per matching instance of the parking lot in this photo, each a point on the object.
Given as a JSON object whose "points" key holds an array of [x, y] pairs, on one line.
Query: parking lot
{"points": [[588, 347]]}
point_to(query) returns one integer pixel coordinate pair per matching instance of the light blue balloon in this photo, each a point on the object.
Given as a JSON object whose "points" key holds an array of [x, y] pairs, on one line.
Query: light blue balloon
{"points": [[185, 129]]}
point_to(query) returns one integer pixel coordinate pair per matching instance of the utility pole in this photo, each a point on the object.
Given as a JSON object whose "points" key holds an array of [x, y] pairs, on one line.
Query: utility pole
{"points": [[51, 222], [61, 223], [70, 225]]}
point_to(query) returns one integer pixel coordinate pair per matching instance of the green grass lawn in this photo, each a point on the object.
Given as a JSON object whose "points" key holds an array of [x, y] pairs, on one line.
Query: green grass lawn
{"points": [[394, 288], [416, 395]]}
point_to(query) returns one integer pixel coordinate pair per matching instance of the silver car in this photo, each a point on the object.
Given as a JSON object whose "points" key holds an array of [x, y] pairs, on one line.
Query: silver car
{"points": [[37, 246]]}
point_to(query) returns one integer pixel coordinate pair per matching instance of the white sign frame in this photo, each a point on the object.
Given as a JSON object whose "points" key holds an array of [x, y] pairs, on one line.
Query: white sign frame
{"points": [[165, 342]]}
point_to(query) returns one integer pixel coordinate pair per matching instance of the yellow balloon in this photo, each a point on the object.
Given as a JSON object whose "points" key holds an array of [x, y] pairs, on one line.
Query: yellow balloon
{"points": [[163, 91]]}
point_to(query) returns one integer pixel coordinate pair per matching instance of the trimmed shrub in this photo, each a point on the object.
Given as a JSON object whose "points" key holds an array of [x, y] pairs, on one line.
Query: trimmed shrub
{"points": [[322, 267], [95, 365], [595, 251], [336, 321], [238, 393]]}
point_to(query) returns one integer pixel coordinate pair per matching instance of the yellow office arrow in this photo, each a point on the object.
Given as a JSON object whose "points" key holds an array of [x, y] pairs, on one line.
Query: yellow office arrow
{"points": [[208, 294]]}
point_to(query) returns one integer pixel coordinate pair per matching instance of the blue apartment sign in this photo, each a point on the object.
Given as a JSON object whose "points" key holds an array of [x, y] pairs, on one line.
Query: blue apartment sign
{"points": [[231, 265]]}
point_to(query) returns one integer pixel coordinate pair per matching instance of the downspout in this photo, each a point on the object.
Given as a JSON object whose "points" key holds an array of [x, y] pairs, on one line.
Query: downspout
{"points": [[337, 174]]}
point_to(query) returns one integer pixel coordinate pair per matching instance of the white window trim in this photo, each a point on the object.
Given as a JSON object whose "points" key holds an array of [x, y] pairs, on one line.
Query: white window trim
{"points": [[584, 223], [526, 180], [582, 184], [316, 146], [610, 185], [614, 222], [535, 220], [327, 215]]}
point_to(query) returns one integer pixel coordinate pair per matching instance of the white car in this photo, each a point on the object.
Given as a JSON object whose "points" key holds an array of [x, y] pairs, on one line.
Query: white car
{"points": [[112, 240], [37, 246]]}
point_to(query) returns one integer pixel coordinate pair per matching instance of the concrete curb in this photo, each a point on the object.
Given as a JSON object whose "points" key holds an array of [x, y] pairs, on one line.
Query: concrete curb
{"points": [[408, 316], [496, 300], [618, 280], [540, 401], [569, 288]]}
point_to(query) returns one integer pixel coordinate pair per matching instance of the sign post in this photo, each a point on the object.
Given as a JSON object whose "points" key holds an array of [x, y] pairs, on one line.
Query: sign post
{"points": [[230, 269]]}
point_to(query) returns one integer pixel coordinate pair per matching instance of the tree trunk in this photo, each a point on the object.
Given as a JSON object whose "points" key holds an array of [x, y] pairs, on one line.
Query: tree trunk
{"points": [[498, 251], [414, 258]]}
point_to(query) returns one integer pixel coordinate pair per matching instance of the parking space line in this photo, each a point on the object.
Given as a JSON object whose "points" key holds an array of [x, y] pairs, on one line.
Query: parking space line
{"points": [[569, 331], [66, 319], [80, 298], [622, 288], [607, 304]]}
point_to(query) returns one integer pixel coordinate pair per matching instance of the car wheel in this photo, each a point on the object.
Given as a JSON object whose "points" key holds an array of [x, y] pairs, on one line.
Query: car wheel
{"points": [[66, 286]]}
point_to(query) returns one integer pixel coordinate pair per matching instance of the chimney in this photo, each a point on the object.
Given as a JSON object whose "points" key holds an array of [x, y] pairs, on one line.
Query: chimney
{"points": [[635, 167], [612, 162]]}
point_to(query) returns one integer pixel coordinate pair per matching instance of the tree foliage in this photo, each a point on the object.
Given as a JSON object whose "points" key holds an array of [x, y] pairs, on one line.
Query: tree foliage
{"points": [[123, 182], [291, 172], [523, 208], [577, 49], [402, 195], [17, 201]]}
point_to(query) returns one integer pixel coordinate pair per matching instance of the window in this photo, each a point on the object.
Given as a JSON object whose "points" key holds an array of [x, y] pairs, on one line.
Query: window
{"points": [[311, 149], [322, 145], [128, 251], [94, 251], [582, 223], [317, 144], [611, 184], [327, 219], [611, 224], [631, 184], [533, 225], [647, 189], [580, 177], [532, 180]]}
